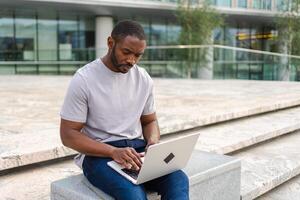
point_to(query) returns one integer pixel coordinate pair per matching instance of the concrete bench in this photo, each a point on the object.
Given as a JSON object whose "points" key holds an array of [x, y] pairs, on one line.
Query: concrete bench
{"points": [[212, 177]]}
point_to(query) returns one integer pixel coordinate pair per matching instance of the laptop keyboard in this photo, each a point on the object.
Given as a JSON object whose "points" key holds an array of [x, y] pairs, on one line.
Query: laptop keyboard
{"points": [[132, 173]]}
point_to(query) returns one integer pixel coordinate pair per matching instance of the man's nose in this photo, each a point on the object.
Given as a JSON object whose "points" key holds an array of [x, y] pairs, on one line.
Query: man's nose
{"points": [[131, 60]]}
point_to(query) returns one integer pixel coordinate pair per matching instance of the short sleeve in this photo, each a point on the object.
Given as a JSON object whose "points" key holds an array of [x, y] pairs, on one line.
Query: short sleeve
{"points": [[75, 104], [149, 106]]}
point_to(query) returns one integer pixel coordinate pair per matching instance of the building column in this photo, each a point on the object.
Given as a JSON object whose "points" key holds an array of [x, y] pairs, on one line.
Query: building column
{"points": [[104, 26]]}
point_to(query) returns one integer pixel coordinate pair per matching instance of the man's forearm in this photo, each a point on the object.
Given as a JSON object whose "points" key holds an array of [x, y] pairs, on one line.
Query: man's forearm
{"points": [[83, 144], [151, 132]]}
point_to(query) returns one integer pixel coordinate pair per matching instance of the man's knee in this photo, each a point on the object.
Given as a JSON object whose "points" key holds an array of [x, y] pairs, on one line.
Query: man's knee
{"points": [[179, 177], [177, 184], [131, 193]]}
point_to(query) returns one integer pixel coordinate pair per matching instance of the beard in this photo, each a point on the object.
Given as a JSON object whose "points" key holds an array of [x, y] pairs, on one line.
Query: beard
{"points": [[114, 60]]}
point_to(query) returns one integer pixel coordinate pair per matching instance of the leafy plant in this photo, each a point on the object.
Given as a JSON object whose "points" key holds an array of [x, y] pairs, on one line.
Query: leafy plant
{"points": [[197, 24]]}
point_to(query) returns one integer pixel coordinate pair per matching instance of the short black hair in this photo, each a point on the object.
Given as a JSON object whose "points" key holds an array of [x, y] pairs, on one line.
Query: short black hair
{"points": [[128, 28]]}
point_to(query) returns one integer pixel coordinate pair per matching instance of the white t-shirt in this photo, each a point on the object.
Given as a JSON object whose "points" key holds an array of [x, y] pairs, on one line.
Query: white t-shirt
{"points": [[109, 104]]}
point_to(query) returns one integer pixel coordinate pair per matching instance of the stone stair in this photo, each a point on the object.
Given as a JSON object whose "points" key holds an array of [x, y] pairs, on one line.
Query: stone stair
{"points": [[265, 136]]}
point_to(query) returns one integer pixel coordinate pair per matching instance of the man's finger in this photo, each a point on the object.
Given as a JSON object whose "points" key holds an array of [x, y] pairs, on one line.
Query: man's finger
{"points": [[137, 157]]}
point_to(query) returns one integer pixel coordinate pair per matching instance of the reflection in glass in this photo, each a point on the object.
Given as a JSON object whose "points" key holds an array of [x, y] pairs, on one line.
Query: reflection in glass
{"points": [[67, 38], [7, 44], [283, 5], [86, 38], [242, 3], [173, 33], [158, 34], [262, 4], [26, 42], [47, 38], [225, 3]]}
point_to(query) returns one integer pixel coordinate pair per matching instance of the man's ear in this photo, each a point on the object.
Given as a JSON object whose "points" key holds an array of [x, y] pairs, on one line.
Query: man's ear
{"points": [[110, 42]]}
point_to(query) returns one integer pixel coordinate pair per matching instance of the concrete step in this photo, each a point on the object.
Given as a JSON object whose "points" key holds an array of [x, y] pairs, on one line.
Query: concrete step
{"points": [[235, 135], [290, 190], [29, 107], [227, 137], [34, 182], [220, 138], [269, 164], [206, 171]]}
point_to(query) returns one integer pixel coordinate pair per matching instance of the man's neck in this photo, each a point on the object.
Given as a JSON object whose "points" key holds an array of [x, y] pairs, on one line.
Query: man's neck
{"points": [[107, 62]]}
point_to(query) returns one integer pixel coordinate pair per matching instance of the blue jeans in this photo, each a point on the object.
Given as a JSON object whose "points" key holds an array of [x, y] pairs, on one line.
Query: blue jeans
{"points": [[174, 186]]}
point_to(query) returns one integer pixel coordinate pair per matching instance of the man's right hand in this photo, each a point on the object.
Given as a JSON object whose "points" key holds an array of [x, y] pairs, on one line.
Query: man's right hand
{"points": [[127, 157]]}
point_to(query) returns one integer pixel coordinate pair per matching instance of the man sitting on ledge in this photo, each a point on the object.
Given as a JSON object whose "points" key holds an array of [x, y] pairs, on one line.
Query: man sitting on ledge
{"points": [[108, 106]]}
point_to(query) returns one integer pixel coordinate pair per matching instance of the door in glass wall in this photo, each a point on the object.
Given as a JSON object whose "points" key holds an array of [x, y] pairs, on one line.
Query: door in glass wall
{"points": [[86, 38], [47, 37], [68, 42], [7, 41], [26, 40]]}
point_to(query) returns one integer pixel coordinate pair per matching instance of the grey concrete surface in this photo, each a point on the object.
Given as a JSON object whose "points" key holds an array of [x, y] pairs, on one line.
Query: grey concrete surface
{"points": [[287, 191], [30, 105], [268, 165], [30, 110], [212, 177], [235, 135], [34, 183]]}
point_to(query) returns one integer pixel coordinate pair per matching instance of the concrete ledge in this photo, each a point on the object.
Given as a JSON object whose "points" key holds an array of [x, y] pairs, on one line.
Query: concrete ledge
{"points": [[212, 177]]}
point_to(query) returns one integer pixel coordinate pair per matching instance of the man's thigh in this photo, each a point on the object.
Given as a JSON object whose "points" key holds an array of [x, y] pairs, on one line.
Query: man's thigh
{"points": [[105, 178], [173, 186]]}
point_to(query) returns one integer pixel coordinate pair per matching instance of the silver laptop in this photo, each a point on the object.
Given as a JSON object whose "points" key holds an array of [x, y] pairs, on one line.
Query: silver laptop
{"points": [[161, 159]]}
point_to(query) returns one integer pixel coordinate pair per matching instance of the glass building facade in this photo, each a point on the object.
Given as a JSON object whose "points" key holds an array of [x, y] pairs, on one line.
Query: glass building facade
{"points": [[26, 35], [34, 41], [42, 43]]}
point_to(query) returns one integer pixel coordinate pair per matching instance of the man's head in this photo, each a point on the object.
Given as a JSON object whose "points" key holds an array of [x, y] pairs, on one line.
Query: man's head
{"points": [[126, 45]]}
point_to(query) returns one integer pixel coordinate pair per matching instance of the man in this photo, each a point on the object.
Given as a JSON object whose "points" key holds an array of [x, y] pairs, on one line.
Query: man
{"points": [[108, 107]]}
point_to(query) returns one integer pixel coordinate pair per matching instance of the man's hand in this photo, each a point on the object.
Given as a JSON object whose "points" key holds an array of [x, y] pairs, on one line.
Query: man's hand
{"points": [[127, 157]]}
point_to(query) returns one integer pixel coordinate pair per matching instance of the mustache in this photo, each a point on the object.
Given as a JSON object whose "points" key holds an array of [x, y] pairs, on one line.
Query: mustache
{"points": [[124, 65]]}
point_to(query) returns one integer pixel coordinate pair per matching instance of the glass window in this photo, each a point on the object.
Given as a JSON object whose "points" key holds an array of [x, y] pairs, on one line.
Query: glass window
{"points": [[86, 32], [267, 4], [26, 41], [225, 3], [284, 5], [218, 35], [47, 37], [68, 40], [262, 4], [158, 34], [243, 41], [86, 38], [173, 33], [145, 23], [7, 44], [242, 3]]}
